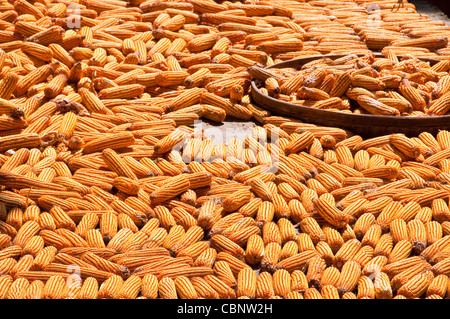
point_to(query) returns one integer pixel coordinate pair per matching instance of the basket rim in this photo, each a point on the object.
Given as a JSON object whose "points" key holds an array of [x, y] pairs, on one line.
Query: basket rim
{"points": [[422, 121]]}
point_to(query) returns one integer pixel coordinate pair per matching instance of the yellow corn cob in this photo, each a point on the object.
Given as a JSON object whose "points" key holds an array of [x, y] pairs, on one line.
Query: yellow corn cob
{"points": [[330, 213], [417, 285], [376, 107], [8, 85], [296, 262], [279, 46], [246, 283]]}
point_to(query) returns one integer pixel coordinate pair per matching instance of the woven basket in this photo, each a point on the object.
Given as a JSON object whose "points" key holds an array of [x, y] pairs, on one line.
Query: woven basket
{"points": [[365, 125]]}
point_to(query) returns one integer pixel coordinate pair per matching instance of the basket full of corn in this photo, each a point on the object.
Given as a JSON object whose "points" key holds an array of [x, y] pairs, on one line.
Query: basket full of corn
{"points": [[109, 189], [367, 94]]}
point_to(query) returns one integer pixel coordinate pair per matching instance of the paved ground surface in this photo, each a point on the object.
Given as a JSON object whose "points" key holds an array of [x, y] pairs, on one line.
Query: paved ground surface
{"points": [[432, 11], [231, 129]]}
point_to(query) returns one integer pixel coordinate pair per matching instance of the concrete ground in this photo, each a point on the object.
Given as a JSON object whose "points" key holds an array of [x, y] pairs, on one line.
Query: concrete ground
{"points": [[424, 7]]}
